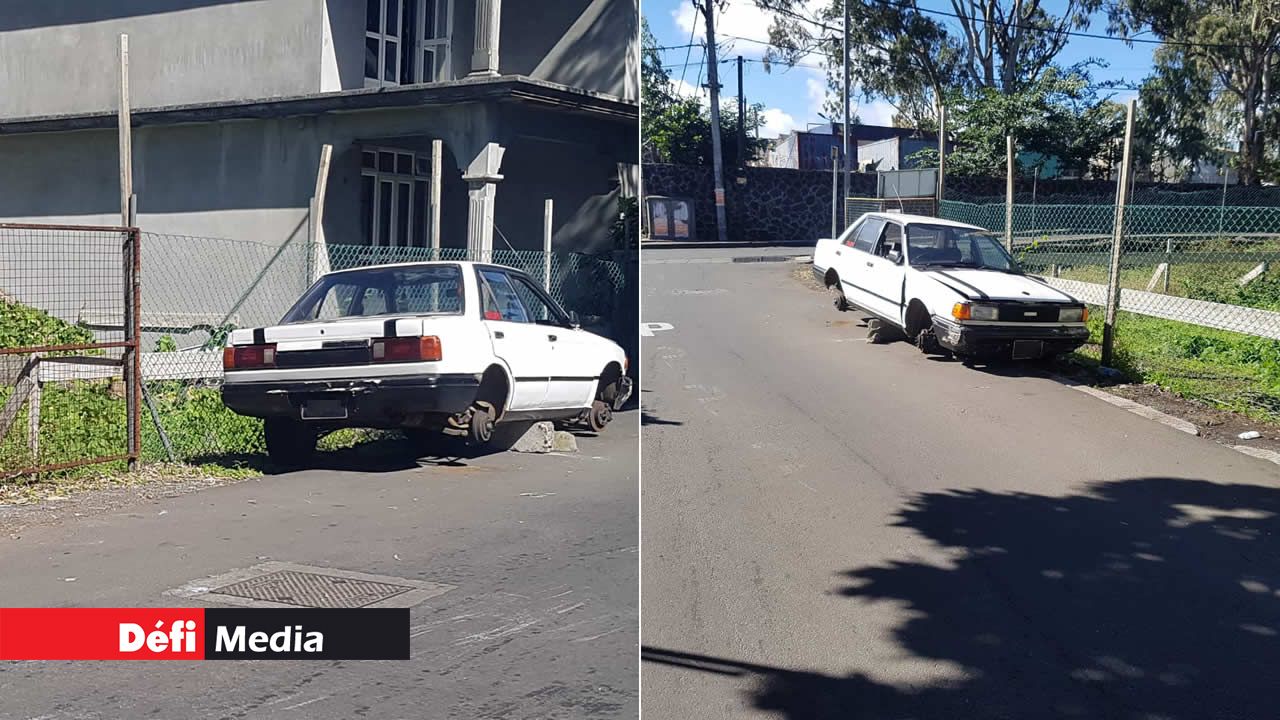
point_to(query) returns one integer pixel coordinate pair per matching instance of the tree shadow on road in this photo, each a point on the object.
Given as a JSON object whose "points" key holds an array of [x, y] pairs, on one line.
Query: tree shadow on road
{"points": [[1143, 598]]}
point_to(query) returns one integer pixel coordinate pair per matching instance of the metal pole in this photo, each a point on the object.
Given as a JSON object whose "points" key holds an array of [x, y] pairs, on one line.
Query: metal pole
{"points": [[437, 150], [124, 123], [847, 167], [835, 191], [1117, 241], [548, 208], [742, 120], [1008, 193], [713, 83], [942, 150]]}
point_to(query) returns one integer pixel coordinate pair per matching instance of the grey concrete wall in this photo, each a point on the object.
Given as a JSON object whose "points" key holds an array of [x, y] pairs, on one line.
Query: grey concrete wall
{"points": [[61, 57], [589, 44]]}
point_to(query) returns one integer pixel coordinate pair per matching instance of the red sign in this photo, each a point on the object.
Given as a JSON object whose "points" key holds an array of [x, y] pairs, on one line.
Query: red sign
{"points": [[102, 634]]}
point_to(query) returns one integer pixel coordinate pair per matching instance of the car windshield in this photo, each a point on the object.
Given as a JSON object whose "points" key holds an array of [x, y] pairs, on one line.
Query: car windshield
{"points": [[423, 290], [950, 246]]}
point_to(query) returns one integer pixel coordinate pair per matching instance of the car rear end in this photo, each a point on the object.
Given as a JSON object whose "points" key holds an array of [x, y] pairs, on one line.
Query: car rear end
{"points": [[383, 373], [1013, 329]]}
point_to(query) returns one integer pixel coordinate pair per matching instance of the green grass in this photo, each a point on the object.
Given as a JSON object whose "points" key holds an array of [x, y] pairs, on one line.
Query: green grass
{"points": [[1223, 369]]}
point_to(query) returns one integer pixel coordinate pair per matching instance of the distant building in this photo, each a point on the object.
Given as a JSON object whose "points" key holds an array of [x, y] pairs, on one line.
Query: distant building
{"points": [[811, 149]]}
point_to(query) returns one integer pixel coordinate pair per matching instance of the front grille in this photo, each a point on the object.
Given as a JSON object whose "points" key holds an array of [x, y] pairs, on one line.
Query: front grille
{"points": [[324, 358], [1028, 312]]}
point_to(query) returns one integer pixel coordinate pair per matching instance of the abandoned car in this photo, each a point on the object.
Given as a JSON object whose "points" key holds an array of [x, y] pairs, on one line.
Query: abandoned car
{"points": [[947, 287], [431, 348]]}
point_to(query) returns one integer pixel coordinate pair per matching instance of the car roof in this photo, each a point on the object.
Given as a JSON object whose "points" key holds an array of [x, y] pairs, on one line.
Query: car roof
{"points": [[905, 219], [420, 263]]}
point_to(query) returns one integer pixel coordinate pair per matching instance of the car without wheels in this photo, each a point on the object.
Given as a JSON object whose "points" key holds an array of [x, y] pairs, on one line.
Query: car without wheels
{"points": [[947, 287], [432, 348]]}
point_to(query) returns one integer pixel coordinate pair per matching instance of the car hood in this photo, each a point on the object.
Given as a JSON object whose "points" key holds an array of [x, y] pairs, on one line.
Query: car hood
{"points": [[997, 285]]}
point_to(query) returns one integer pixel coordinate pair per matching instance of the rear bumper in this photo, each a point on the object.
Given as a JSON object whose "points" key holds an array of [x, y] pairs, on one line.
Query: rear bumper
{"points": [[998, 340], [371, 402]]}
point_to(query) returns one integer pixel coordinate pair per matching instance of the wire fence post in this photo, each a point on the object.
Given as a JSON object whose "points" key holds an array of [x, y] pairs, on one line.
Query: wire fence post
{"points": [[942, 150], [1008, 193], [548, 208], [1117, 241], [835, 192]]}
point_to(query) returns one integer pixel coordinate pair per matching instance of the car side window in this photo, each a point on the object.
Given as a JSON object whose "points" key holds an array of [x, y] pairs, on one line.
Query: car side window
{"points": [[502, 301], [538, 308], [868, 234], [850, 235], [891, 240]]}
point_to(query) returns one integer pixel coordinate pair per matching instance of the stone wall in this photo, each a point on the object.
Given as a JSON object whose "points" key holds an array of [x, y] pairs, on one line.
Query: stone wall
{"points": [[761, 204]]}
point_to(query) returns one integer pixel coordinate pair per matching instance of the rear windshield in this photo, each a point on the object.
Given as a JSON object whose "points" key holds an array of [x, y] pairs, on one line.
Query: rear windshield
{"points": [[426, 290]]}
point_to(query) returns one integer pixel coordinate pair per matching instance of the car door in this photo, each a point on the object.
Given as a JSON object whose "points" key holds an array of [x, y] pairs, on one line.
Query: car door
{"points": [[575, 367], [884, 276], [856, 255], [517, 340]]}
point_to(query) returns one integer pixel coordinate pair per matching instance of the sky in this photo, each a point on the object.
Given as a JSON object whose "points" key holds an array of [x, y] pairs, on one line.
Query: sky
{"points": [[793, 97]]}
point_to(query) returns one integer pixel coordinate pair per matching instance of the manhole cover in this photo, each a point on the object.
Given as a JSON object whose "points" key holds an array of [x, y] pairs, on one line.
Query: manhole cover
{"points": [[281, 584], [312, 590]]}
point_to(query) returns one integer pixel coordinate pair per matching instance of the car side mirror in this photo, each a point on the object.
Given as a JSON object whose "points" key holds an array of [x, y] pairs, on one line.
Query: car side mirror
{"points": [[894, 256]]}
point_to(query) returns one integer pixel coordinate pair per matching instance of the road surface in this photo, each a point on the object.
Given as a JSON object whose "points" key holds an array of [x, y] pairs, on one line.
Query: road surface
{"points": [[542, 622], [833, 529]]}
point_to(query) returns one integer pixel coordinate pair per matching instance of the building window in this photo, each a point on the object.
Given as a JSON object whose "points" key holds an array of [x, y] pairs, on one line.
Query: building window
{"points": [[394, 209], [406, 41]]}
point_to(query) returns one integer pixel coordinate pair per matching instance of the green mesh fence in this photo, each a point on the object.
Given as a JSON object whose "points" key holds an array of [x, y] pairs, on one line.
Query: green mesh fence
{"points": [[1199, 288], [196, 290]]}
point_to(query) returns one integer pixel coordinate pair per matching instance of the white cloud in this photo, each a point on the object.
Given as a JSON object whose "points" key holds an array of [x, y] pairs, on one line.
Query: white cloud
{"points": [[876, 112], [816, 87], [776, 123], [686, 89]]}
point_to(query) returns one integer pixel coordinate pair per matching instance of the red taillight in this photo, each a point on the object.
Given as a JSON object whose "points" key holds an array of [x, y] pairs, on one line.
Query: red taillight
{"points": [[248, 356], [407, 349]]}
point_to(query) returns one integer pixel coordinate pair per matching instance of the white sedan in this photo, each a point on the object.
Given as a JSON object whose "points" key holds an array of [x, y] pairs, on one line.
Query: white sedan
{"points": [[449, 347], [948, 287]]}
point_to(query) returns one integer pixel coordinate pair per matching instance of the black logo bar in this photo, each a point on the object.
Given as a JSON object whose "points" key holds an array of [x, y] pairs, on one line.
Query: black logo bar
{"points": [[306, 634]]}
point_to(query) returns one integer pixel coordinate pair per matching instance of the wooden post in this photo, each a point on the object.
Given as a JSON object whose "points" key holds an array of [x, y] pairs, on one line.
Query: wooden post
{"points": [[130, 269], [1008, 193], [437, 151], [547, 210], [1117, 240], [317, 255]]}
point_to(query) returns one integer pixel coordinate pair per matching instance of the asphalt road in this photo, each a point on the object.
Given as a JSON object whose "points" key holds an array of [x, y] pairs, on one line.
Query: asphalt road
{"points": [[836, 529], [542, 550]]}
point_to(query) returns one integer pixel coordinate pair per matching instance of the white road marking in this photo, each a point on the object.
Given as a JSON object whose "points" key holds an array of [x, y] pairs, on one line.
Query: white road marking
{"points": [[307, 702]]}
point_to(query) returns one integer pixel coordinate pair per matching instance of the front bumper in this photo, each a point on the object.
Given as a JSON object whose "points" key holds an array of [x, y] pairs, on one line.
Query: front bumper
{"points": [[369, 402], [998, 340]]}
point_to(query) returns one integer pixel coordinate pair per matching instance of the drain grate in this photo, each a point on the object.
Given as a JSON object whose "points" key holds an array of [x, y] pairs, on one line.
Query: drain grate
{"points": [[312, 590]]}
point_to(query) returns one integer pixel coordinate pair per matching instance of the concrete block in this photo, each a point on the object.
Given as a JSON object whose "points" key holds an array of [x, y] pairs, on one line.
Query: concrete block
{"points": [[564, 442], [539, 438]]}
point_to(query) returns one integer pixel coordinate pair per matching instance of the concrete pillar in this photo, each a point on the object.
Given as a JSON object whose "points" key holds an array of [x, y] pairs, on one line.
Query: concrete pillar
{"points": [[482, 185], [484, 58]]}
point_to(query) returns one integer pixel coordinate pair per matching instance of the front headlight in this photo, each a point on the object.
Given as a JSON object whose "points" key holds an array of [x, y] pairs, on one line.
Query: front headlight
{"points": [[1073, 314], [984, 312]]}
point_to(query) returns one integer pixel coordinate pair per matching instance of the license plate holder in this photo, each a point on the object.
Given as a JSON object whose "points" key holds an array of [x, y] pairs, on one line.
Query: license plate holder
{"points": [[324, 409], [1027, 349]]}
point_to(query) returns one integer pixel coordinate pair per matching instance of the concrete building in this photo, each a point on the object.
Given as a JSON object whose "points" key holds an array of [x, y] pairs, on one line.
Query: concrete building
{"points": [[233, 100]]}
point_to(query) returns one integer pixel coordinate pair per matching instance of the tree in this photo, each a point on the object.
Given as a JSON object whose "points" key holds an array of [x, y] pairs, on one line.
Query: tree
{"points": [[1231, 48], [910, 59]]}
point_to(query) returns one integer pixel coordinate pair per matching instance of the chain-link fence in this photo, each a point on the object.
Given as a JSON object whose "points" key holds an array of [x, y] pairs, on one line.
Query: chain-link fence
{"points": [[65, 287], [67, 347], [1199, 287], [196, 290]]}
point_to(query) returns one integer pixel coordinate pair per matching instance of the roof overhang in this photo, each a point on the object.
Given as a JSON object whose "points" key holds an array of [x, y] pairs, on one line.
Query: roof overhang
{"points": [[506, 88]]}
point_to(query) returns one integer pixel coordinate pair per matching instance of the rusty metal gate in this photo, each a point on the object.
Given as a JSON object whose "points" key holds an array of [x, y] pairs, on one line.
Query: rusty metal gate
{"points": [[70, 373]]}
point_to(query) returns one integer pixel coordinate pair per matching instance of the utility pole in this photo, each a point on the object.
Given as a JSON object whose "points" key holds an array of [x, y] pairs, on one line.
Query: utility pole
{"points": [[847, 167], [713, 84], [742, 121], [942, 151]]}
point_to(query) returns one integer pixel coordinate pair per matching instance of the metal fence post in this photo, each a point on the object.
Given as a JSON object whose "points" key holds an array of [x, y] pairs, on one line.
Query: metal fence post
{"points": [[835, 192], [132, 360], [1008, 192], [548, 208], [1117, 241]]}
